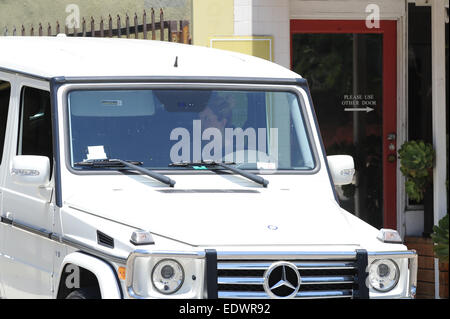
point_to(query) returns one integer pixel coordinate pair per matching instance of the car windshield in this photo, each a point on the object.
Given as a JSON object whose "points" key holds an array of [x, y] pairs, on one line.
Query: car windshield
{"points": [[253, 130]]}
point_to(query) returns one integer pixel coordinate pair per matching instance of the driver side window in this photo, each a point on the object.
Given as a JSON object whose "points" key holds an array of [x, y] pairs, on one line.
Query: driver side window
{"points": [[35, 133], [5, 92]]}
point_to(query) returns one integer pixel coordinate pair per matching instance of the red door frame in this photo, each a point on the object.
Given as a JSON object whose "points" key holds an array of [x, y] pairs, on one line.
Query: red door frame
{"points": [[389, 30]]}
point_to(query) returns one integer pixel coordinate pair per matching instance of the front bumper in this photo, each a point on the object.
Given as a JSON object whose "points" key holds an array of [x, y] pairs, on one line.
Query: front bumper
{"points": [[228, 274]]}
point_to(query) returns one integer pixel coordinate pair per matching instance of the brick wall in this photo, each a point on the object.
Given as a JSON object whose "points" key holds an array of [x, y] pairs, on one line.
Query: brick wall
{"points": [[425, 274], [443, 280]]}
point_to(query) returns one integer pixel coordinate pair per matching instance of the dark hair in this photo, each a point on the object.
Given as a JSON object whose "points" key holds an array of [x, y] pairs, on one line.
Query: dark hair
{"points": [[220, 106]]}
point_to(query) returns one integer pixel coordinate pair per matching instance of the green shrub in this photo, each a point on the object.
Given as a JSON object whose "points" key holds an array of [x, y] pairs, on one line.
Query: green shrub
{"points": [[440, 239], [416, 164]]}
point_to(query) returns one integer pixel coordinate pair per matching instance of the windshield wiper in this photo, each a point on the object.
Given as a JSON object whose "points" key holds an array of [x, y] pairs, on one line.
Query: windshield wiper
{"points": [[226, 165], [127, 165]]}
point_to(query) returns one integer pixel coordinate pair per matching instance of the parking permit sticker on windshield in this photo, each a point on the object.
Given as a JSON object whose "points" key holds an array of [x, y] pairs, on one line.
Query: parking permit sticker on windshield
{"points": [[96, 153], [112, 102]]}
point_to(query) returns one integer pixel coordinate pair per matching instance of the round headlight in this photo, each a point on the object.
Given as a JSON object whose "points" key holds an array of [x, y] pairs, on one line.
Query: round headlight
{"points": [[167, 276], [383, 275]]}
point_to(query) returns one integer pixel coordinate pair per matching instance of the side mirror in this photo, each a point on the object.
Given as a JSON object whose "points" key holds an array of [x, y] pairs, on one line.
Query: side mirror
{"points": [[342, 169], [31, 170]]}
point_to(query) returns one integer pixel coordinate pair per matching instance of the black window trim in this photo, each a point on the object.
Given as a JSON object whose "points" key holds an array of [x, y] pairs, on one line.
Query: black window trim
{"points": [[56, 82], [109, 85], [4, 141], [22, 88]]}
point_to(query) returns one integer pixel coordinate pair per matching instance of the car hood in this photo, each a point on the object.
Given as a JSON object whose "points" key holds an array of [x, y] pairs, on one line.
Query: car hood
{"points": [[214, 217]]}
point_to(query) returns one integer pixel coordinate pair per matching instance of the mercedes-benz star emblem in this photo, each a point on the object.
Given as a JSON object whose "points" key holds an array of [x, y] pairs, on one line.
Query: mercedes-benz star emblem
{"points": [[282, 280]]}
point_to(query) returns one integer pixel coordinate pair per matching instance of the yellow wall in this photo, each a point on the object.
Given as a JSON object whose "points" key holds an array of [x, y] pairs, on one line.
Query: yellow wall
{"points": [[213, 26], [259, 46], [211, 18]]}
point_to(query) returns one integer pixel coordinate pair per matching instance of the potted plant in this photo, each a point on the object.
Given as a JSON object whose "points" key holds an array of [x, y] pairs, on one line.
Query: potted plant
{"points": [[416, 164], [440, 240]]}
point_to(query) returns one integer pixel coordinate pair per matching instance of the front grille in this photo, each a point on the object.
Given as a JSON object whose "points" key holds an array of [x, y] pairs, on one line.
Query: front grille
{"points": [[319, 278]]}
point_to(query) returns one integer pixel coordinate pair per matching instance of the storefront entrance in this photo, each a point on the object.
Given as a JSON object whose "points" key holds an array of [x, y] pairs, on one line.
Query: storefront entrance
{"points": [[352, 74]]}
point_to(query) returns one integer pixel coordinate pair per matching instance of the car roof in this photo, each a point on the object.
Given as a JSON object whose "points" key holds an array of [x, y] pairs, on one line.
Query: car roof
{"points": [[84, 57]]}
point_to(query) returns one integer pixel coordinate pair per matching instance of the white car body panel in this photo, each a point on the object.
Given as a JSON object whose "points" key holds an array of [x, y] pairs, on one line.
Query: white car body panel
{"points": [[104, 273], [243, 219]]}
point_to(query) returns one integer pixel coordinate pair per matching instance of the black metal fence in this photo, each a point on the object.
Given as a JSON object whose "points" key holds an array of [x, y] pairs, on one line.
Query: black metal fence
{"points": [[147, 28]]}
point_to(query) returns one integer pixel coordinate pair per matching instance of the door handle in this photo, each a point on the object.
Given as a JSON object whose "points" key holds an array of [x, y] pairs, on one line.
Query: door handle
{"points": [[391, 137], [391, 158]]}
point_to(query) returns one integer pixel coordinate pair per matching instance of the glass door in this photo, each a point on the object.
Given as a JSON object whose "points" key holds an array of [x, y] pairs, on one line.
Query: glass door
{"points": [[351, 71]]}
